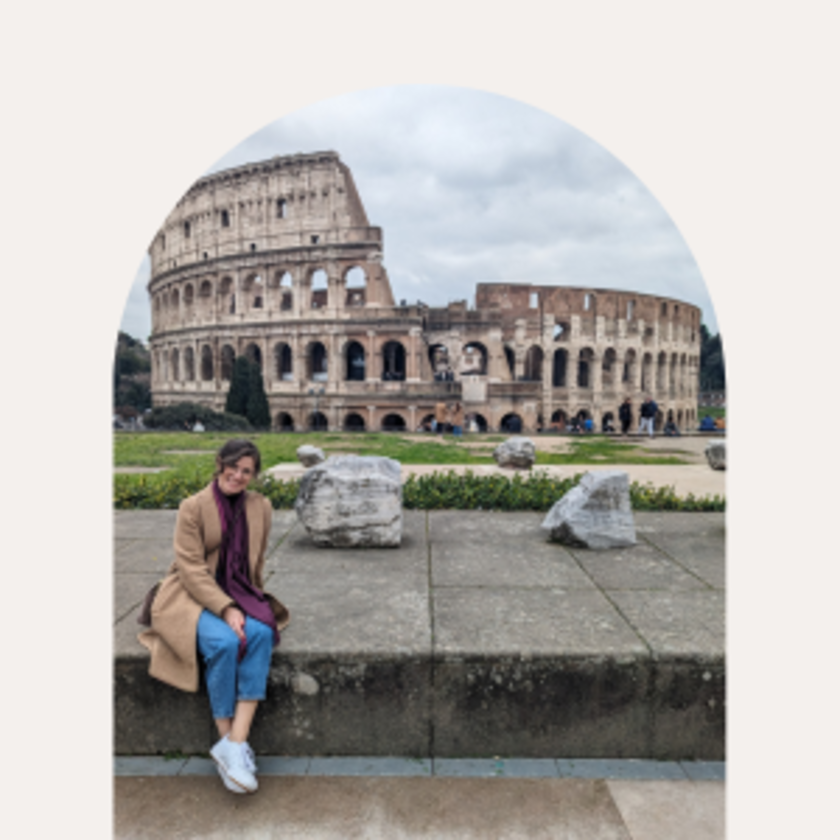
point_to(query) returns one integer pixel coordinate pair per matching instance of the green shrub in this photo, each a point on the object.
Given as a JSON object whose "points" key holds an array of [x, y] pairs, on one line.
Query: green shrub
{"points": [[438, 491], [184, 415]]}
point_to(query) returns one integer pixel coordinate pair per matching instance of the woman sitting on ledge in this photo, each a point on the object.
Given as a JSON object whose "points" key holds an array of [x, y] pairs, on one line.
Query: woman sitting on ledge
{"points": [[212, 602]]}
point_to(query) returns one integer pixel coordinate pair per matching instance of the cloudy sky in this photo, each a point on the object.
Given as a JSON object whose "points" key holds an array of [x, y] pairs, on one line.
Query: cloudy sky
{"points": [[473, 187]]}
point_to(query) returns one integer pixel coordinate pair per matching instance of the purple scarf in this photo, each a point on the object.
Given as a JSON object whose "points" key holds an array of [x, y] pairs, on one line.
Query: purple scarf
{"points": [[233, 573]]}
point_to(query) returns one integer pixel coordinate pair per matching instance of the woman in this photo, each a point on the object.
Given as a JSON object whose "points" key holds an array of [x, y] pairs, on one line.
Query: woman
{"points": [[211, 602]]}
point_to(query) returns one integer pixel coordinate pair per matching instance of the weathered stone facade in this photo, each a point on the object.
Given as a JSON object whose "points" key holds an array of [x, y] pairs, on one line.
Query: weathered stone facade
{"points": [[277, 260]]}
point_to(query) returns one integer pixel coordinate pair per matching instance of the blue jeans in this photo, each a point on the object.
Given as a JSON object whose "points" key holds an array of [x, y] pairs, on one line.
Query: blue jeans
{"points": [[229, 681]]}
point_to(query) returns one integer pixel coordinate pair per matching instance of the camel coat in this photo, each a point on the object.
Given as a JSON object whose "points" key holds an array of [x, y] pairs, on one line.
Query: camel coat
{"points": [[190, 585]]}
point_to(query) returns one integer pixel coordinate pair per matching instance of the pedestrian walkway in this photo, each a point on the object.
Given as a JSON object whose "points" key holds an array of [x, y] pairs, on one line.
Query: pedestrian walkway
{"points": [[382, 797]]}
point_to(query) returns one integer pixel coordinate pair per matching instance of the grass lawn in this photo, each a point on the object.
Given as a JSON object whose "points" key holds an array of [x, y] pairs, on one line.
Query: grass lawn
{"points": [[191, 451]]}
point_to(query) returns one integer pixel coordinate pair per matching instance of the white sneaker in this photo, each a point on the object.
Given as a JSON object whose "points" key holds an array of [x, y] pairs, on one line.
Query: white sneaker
{"points": [[232, 762], [250, 758]]}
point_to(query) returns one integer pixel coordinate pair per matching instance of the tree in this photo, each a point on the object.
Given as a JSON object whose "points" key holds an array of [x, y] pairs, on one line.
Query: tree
{"points": [[240, 383], [246, 396], [256, 409], [712, 371], [132, 377]]}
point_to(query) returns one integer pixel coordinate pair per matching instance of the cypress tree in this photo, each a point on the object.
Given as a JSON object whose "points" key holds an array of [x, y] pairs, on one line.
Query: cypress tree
{"points": [[256, 407], [240, 380]]}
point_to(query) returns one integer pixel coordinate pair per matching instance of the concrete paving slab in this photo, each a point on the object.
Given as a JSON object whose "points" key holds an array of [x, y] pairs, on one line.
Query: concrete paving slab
{"points": [[370, 766], [641, 566], [688, 622], [329, 808], [469, 767], [600, 768], [547, 622], [678, 522], [282, 521], [144, 524], [356, 614], [129, 593], [468, 548], [703, 554], [665, 810], [144, 555]]}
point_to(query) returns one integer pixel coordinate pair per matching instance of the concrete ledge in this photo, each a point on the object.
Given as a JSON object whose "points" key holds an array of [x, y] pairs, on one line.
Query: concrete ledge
{"points": [[475, 639]]}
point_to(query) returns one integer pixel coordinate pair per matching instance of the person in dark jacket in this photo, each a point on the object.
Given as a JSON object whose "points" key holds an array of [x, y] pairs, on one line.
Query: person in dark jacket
{"points": [[647, 415], [625, 415]]}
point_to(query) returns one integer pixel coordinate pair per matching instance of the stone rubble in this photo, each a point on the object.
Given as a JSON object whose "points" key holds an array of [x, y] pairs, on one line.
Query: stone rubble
{"points": [[716, 453], [352, 501], [594, 514], [515, 453], [310, 455]]}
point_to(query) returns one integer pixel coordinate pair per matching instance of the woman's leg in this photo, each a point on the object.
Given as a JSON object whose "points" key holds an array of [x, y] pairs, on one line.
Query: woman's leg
{"points": [[252, 677], [218, 645]]}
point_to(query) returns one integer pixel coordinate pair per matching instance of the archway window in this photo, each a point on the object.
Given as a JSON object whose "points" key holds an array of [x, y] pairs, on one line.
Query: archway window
{"points": [[393, 362], [206, 363], [317, 362], [319, 289], [510, 358], [225, 218], [189, 364], [188, 294], [533, 364], [285, 284], [439, 360], [629, 368], [254, 354], [228, 357], [511, 423], [558, 370], [186, 230], [355, 355], [474, 359], [393, 423], [317, 422], [175, 366], [559, 421], [608, 365], [283, 362], [284, 422], [355, 284], [354, 423], [281, 208], [585, 361]]}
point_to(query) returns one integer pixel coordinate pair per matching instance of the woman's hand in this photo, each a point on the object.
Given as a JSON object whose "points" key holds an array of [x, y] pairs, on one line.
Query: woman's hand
{"points": [[235, 620]]}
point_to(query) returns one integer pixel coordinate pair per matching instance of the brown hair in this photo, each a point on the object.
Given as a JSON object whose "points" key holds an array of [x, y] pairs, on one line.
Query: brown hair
{"points": [[232, 451]]}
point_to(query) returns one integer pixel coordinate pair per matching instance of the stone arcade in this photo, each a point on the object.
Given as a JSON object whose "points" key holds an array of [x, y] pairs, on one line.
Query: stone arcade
{"points": [[277, 260]]}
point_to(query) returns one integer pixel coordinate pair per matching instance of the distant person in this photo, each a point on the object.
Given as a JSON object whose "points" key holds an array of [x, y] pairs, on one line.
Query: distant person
{"points": [[671, 429], [625, 415], [457, 419], [588, 425], [647, 415], [707, 424], [440, 417]]}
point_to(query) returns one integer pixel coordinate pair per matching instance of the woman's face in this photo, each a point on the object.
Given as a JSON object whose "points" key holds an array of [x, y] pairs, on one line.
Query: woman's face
{"points": [[236, 479]]}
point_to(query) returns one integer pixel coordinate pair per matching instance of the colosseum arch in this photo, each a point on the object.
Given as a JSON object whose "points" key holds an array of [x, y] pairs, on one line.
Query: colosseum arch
{"points": [[283, 287], [511, 422], [439, 359], [394, 422], [317, 422], [205, 299], [628, 375], [254, 355], [189, 296], [474, 361], [561, 331], [227, 358], [393, 361], [532, 371], [283, 422], [560, 361], [661, 373], [510, 359], [283, 362], [355, 286], [253, 292], [207, 367], [175, 366], [609, 365], [586, 358], [647, 373], [318, 289], [227, 296], [189, 364], [354, 422], [354, 362], [316, 362]]}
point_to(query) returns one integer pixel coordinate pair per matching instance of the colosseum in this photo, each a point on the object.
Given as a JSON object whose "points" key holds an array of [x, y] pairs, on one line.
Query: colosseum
{"points": [[277, 260]]}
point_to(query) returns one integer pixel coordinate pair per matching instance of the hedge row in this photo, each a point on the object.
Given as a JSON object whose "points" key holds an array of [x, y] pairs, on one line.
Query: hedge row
{"points": [[437, 491]]}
